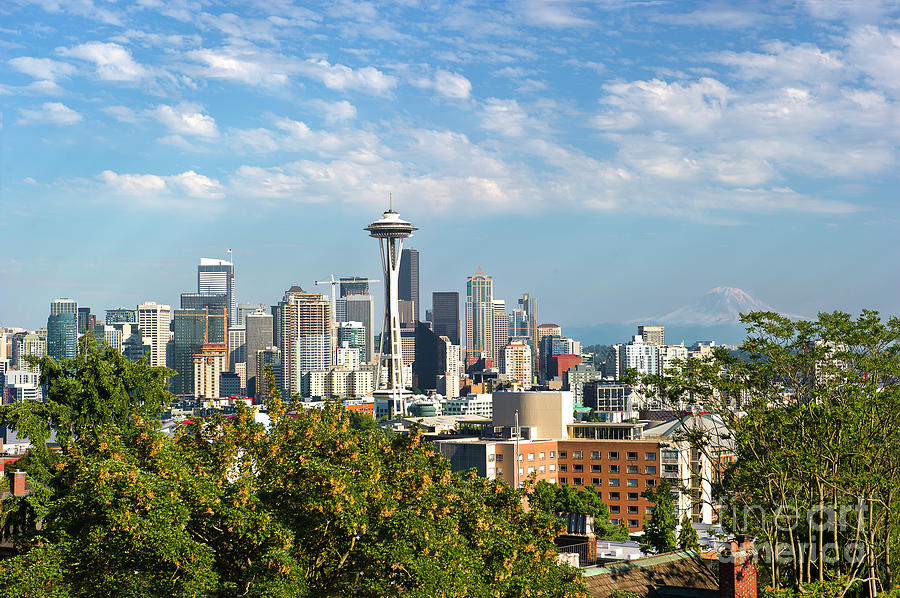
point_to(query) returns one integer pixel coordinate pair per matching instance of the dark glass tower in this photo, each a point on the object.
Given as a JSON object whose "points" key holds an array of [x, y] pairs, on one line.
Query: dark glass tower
{"points": [[445, 314], [409, 279]]}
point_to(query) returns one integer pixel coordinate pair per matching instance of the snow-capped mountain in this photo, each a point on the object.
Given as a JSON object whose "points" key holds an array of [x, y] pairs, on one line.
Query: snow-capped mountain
{"points": [[721, 305]]}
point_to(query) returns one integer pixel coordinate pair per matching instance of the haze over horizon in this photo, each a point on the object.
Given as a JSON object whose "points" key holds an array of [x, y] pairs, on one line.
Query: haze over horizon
{"points": [[614, 161]]}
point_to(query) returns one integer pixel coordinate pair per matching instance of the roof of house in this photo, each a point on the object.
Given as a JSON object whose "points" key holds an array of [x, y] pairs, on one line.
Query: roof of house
{"points": [[683, 573]]}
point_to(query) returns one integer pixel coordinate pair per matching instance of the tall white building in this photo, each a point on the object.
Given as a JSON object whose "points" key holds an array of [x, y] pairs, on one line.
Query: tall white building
{"points": [[209, 365], [516, 363], [153, 320], [216, 276], [500, 326], [21, 386]]}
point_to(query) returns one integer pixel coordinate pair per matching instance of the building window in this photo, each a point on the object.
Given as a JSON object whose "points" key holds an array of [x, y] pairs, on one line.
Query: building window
{"points": [[614, 509], [521, 471], [649, 510], [613, 481], [578, 481], [597, 467], [596, 481], [632, 510], [577, 455], [631, 455], [633, 523], [670, 455], [542, 469], [553, 467], [651, 483], [531, 456], [540, 455], [521, 456], [632, 496], [531, 470], [563, 467], [499, 458], [650, 469], [553, 454], [614, 454], [615, 496], [595, 454], [577, 467], [613, 469], [614, 521], [563, 454], [499, 471], [650, 456], [631, 482], [490, 458], [564, 481], [631, 469]]}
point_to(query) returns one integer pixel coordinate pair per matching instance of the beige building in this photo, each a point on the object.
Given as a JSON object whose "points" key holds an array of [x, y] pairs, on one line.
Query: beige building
{"points": [[209, 365], [153, 320], [516, 363], [548, 412]]}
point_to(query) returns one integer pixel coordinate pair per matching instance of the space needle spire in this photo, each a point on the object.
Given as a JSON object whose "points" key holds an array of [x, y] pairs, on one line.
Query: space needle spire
{"points": [[390, 231]]}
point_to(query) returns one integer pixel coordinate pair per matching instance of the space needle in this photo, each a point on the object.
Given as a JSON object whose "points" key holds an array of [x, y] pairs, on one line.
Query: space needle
{"points": [[390, 231]]}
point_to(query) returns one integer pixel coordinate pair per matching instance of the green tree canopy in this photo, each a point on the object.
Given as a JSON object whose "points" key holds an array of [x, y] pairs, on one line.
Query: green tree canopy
{"points": [[687, 535], [552, 499], [312, 506], [659, 529]]}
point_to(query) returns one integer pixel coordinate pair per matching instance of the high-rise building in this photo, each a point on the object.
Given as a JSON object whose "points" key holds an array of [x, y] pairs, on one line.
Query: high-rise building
{"points": [[409, 280], [407, 312], [636, 355], [390, 231], [655, 335], [86, 320], [153, 320], [259, 335], [298, 315], [28, 344], [193, 329], [237, 353], [268, 358], [354, 285], [479, 314], [120, 314], [62, 329], [361, 308], [217, 276], [353, 335], [528, 303], [202, 300], [445, 314], [500, 325], [210, 362], [516, 363], [248, 308]]}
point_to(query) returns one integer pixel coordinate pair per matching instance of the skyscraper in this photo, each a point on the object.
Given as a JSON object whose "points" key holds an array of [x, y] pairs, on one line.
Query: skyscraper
{"points": [[193, 329], [217, 276], [445, 314], [479, 314], [409, 280], [258, 330], [528, 304], [62, 329], [354, 285], [361, 308], [655, 335], [120, 314], [500, 324], [86, 320], [248, 308], [390, 231], [297, 316], [153, 320]]}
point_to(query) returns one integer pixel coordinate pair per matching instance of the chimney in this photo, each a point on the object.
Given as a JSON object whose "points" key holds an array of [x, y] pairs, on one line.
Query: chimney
{"points": [[17, 484], [737, 569]]}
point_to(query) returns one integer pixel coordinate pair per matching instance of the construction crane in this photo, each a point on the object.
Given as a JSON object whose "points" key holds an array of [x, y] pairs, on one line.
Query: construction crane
{"points": [[334, 282]]}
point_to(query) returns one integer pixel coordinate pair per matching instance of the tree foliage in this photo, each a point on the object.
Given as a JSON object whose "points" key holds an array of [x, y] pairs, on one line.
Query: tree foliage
{"points": [[552, 499], [659, 529], [311, 506], [687, 535], [813, 409]]}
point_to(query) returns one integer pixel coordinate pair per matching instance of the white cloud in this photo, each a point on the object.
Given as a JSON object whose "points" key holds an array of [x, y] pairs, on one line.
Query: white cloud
{"points": [[113, 62], [447, 84], [876, 53], [187, 119], [341, 77], [336, 111], [143, 188], [121, 113], [715, 15], [54, 113], [508, 118], [783, 62], [552, 13], [44, 69], [244, 65]]}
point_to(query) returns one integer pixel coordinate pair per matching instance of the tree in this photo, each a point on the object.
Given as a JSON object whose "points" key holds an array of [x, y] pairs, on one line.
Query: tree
{"points": [[813, 410], [687, 536], [659, 529], [309, 507], [552, 499]]}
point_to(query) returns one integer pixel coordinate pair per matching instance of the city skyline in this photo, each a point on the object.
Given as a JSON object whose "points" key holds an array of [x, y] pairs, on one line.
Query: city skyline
{"points": [[637, 155]]}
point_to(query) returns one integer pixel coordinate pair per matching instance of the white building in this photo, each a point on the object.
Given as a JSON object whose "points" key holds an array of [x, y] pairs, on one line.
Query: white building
{"points": [[516, 363], [153, 320], [19, 385], [474, 404], [209, 365]]}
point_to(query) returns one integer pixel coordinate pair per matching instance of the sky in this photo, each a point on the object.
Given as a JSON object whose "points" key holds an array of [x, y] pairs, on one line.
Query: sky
{"points": [[614, 159]]}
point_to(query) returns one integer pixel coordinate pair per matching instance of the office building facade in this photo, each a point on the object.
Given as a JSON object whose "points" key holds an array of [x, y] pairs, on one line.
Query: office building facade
{"points": [[408, 283], [479, 314], [216, 276], [445, 314], [153, 320]]}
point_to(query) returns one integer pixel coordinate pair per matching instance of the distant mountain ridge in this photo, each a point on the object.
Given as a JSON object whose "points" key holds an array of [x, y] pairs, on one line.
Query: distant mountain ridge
{"points": [[713, 316]]}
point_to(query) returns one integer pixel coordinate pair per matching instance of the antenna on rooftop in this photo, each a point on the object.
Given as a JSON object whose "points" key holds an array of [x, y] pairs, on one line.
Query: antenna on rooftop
{"points": [[391, 201]]}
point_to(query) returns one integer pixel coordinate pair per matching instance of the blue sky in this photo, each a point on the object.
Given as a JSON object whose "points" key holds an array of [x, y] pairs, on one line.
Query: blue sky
{"points": [[615, 159]]}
